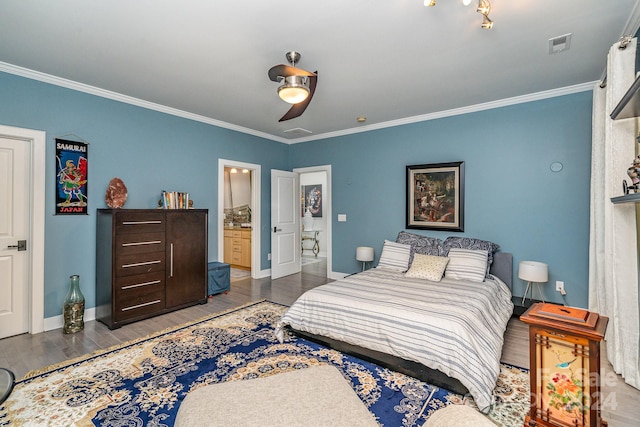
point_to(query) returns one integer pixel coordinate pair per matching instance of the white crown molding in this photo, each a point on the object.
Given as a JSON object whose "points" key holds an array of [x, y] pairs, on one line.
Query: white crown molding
{"points": [[567, 90], [81, 87]]}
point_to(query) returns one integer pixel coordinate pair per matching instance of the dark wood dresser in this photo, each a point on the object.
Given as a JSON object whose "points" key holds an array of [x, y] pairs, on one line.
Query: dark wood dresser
{"points": [[149, 262]]}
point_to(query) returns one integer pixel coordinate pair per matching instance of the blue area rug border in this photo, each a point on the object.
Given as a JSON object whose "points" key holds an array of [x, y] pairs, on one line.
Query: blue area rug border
{"points": [[129, 343]]}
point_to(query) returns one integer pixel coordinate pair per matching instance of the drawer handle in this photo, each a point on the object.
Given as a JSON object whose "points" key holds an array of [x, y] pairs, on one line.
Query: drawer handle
{"points": [[137, 285], [138, 264], [151, 242], [140, 222], [141, 305]]}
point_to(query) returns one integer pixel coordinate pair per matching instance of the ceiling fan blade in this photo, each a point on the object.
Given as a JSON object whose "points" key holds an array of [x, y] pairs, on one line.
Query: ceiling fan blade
{"points": [[297, 109], [287, 71]]}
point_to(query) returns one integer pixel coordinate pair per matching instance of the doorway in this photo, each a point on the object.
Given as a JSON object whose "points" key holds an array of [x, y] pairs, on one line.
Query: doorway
{"points": [[238, 217], [33, 276], [315, 191]]}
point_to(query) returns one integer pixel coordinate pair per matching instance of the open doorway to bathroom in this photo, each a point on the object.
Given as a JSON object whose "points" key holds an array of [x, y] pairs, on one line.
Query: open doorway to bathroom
{"points": [[315, 209], [238, 227]]}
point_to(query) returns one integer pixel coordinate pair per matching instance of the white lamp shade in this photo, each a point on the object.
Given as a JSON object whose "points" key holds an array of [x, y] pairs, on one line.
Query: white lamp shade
{"points": [[364, 253], [533, 271]]}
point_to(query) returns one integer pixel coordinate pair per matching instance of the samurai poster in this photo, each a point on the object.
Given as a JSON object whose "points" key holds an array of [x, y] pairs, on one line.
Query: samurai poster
{"points": [[71, 177]]}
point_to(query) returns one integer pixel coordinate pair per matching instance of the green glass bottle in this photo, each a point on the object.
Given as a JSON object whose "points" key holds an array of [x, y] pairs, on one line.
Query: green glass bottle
{"points": [[73, 308]]}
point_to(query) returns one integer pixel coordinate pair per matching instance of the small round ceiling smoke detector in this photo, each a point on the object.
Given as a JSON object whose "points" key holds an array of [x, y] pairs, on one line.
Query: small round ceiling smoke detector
{"points": [[361, 119]]}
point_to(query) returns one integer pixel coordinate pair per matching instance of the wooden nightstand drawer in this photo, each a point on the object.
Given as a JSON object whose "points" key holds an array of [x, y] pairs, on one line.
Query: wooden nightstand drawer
{"points": [[139, 243], [128, 265]]}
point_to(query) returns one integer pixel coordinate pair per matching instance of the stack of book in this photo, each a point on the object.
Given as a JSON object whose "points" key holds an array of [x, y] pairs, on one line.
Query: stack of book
{"points": [[174, 200]]}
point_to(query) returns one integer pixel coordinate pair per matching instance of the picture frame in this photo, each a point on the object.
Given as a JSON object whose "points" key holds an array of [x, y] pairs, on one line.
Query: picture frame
{"points": [[435, 196], [311, 197]]}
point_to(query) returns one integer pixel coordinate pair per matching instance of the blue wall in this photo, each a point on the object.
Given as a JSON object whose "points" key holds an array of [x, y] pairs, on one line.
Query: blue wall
{"points": [[511, 195], [148, 150]]}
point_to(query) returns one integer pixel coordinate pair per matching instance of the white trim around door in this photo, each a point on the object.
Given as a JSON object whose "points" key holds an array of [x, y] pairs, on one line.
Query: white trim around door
{"points": [[327, 199], [36, 140], [256, 178]]}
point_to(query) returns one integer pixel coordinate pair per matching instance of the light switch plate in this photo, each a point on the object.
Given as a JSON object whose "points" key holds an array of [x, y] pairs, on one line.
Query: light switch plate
{"points": [[342, 217]]}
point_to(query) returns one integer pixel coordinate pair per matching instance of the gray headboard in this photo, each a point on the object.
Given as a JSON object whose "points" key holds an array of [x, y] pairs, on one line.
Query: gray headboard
{"points": [[502, 267]]}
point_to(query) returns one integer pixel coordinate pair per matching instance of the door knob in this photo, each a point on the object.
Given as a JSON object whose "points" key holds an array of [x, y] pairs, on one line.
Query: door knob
{"points": [[21, 246]]}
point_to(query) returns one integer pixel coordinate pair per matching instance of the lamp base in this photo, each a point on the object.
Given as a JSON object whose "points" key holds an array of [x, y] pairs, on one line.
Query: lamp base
{"points": [[529, 290]]}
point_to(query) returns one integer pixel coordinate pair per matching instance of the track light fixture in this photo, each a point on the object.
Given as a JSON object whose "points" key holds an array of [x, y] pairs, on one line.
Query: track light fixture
{"points": [[484, 7]]}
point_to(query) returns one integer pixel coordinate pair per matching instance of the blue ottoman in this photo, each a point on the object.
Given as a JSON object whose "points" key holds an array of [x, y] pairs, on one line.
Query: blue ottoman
{"points": [[219, 278]]}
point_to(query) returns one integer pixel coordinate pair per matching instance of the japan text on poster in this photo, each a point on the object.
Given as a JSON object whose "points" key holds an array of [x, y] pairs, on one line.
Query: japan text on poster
{"points": [[71, 177]]}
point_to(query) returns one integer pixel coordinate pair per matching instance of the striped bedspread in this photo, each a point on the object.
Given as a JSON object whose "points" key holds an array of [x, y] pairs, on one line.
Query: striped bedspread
{"points": [[454, 326]]}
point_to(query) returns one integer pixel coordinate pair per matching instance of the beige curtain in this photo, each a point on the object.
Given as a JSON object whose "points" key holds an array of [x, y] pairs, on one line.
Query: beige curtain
{"points": [[613, 249]]}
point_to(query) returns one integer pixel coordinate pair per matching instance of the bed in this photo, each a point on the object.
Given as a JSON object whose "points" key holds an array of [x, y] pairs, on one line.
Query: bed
{"points": [[448, 332]]}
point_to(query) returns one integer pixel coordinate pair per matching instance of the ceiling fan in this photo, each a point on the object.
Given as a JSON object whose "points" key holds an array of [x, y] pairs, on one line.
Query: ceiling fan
{"points": [[298, 85]]}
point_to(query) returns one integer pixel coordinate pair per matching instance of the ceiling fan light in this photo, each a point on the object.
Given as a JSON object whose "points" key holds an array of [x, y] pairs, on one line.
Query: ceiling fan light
{"points": [[293, 90], [466, 2], [487, 23], [484, 7]]}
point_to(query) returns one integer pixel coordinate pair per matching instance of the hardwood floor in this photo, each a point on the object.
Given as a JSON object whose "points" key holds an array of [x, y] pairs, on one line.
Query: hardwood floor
{"points": [[24, 353]]}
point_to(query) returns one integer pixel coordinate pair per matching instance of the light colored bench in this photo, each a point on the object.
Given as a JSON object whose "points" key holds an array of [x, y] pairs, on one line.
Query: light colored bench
{"points": [[458, 416], [316, 396]]}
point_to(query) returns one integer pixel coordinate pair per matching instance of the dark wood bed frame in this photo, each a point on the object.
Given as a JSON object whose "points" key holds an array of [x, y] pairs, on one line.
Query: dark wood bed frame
{"points": [[502, 267]]}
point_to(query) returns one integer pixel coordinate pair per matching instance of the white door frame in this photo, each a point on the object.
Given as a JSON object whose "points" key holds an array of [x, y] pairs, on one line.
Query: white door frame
{"points": [[35, 281], [256, 177], [327, 198]]}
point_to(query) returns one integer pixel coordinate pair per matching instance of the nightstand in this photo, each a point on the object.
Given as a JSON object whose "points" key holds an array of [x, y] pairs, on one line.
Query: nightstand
{"points": [[564, 352]]}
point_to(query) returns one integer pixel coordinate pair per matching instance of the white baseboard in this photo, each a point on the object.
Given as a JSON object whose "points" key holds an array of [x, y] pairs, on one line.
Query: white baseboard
{"points": [[336, 275], [57, 322]]}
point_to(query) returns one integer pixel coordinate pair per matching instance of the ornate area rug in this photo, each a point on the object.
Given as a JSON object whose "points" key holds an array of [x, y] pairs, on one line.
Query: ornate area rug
{"points": [[142, 382]]}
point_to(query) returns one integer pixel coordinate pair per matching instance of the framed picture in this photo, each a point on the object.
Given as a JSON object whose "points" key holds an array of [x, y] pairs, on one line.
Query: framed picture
{"points": [[435, 196], [312, 199], [71, 177]]}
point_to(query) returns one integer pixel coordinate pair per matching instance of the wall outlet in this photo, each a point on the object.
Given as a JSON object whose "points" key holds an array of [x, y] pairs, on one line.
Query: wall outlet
{"points": [[269, 256], [560, 287]]}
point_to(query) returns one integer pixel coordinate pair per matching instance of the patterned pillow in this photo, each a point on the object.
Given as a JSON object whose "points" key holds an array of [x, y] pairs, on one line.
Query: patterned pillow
{"points": [[471, 243], [466, 264], [428, 267], [395, 256], [420, 244]]}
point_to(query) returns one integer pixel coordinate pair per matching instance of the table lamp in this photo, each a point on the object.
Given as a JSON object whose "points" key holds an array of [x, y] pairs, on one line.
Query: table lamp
{"points": [[534, 273], [364, 254]]}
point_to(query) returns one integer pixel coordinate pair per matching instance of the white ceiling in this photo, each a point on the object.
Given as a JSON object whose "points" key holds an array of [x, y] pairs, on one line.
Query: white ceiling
{"points": [[393, 61]]}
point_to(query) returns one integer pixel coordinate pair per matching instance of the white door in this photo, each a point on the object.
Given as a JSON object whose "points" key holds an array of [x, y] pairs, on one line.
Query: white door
{"points": [[14, 229], [285, 223]]}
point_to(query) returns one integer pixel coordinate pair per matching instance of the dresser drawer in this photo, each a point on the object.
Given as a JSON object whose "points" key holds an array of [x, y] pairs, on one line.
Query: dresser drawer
{"points": [[140, 222], [130, 287], [236, 233], [140, 306], [128, 265], [139, 243], [236, 258]]}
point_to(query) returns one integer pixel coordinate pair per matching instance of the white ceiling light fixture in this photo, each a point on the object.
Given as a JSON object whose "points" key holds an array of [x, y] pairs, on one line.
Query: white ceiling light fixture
{"points": [[294, 89], [484, 7]]}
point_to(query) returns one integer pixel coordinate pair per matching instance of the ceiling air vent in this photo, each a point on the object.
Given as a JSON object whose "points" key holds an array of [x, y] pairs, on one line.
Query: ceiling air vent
{"points": [[297, 133], [559, 44]]}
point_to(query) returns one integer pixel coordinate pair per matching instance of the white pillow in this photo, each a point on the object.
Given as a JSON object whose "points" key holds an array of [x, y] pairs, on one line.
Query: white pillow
{"points": [[467, 264], [395, 256], [428, 267]]}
